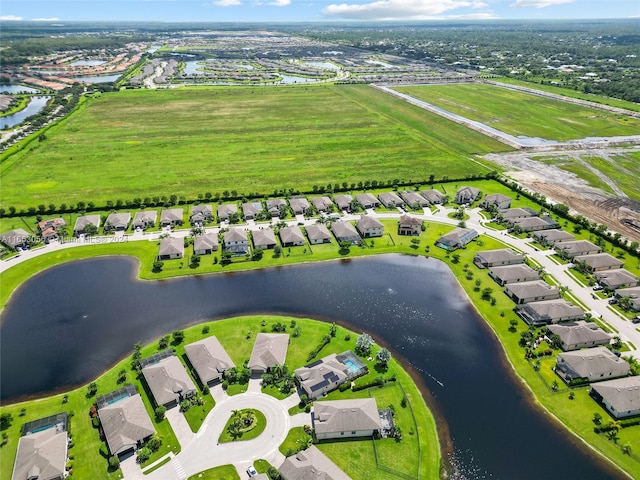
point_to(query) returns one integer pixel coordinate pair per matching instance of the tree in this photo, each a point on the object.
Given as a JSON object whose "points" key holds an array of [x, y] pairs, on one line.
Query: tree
{"points": [[178, 337], [383, 356], [333, 329], [122, 375], [455, 258], [486, 293], [92, 389], [159, 412], [364, 344], [164, 342], [597, 418], [5, 420], [157, 266], [513, 323], [114, 462]]}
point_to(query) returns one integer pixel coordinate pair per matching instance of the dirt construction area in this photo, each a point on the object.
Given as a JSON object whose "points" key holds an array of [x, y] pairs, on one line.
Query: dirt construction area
{"points": [[617, 211]]}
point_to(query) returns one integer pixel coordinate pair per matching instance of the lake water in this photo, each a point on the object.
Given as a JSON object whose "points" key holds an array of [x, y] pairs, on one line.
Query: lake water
{"points": [[325, 65], [13, 89], [87, 63], [34, 106], [98, 78], [70, 323]]}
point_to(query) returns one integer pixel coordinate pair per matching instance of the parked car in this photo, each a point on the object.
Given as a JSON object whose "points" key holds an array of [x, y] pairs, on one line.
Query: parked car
{"points": [[613, 301], [251, 471], [597, 288], [636, 319]]}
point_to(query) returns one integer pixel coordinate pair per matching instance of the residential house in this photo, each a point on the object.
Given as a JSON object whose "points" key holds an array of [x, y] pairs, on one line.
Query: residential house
{"points": [[514, 213], [619, 278], [497, 258], [533, 224], [16, 239], [167, 379], [201, 215], [513, 274], [496, 201], [274, 204], [535, 291], [467, 195], [552, 237], [325, 375], [318, 233], [433, 196], [264, 239], [620, 397], [414, 199], [457, 238], [299, 205], [84, 221], [118, 222], [369, 227], [345, 232], [251, 209], [225, 210], [390, 200], [49, 228], [580, 334], [571, 249], [205, 244], [549, 311], [291, 236], [42, 449], [599, 262], [171, 217], [236, 241], [346, 418], [311, 464], [124, 420], [343, 201], [171, 248], [209, 359], [269, 350], [145, 219], [322, 204], [409, 225], [591, 364], [367, 200], [634, 295]]}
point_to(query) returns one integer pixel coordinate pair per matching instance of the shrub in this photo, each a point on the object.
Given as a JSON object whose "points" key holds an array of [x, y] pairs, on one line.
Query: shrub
{"points": [[95, 422], [205, 329], [160, 411], [114, 463], [104, 450], [143, 455]]}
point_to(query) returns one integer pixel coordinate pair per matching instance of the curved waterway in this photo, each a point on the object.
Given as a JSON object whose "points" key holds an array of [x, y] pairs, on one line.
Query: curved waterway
{"points": [[70, 323]]}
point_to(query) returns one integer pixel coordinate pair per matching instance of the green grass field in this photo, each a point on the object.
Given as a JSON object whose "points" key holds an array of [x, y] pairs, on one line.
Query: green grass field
{"points": [[525, 114], [190, 141]]}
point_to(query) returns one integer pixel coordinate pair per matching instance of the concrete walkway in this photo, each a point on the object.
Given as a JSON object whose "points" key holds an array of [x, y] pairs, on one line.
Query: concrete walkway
{"points": [[180, 426]]}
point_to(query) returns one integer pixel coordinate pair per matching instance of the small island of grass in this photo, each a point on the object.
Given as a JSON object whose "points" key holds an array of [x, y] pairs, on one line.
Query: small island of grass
{"points": [[244, 424]]}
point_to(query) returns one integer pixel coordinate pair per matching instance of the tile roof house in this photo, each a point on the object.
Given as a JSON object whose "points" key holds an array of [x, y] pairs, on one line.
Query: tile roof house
{"points": [[572, 249], [533, 224], [620, 397], [497, 258], [580, 334], [171, 217], [49, 228], [409, 225], [467, 195], [552, 237], [205, 244], [291, 236], [299, 205], [414, 199], [225, 210], [457, 238], [16, 238], [346, 418], [274, 204], [318, 233], [168, 380], [367, 200], [124, 420], [345, 232], [513, 274], [42, 450], [84, 221], [117, 221], [390, 199], [634, 295], [433, 196], [201, 214], [322, 204], [145, 219], [369, 227], [549, 311], [512, 213], [343, 201], [325, 375], [209, 359], [593, 364], [251, 209], [311, 464], [599, 262], [269, 350], [619, 278], [497, 200], [264, 238], [236, 241], [535, 291], [171, 248]]}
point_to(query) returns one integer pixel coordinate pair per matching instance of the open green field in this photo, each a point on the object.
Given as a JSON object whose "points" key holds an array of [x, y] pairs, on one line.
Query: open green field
{"points": [[190, 141], [524, 114]]}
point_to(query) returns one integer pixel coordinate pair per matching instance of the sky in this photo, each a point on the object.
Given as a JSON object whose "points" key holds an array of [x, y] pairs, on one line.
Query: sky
{"points": [[311, 10]]}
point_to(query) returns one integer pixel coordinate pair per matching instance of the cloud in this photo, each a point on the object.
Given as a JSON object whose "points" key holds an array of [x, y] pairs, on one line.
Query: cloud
{"points": [[10, 18], [226, 3], [52, 19], [399, 9], [538, 3], [279, 3]]}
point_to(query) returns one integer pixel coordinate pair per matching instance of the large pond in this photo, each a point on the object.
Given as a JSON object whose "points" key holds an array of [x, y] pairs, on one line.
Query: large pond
{"points": [[13, 89], [98, 78], [34, 106], [70, 323]]}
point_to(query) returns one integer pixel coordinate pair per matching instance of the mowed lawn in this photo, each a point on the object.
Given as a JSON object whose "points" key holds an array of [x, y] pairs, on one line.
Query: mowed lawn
{"points": [[190, 141], [524, 114]]}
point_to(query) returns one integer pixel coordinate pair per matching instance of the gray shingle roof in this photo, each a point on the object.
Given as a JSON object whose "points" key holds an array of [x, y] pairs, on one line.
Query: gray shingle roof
{"points": [[579, 333], [235, 235], [552, 310], [366, 222], [269, 349], [85, 220], [592, 362], [264, 237], [517, 212], [553, 236], [344, 230], [390, 198], [208, 241], [15, 237], [411, 198], [467, 193], [343, 201], [252, 208], [171, 215], [274, 204], [209, 358], [227, 209], [434, 196], [623, 394], [291, 235], [495, 199], [318, 232], [599, 260], [514, 272], [321, 203], [125, 423], [171, 246], [146, 217], [457, 237], [311, 464], [316, 376], [41, 455], [299, 205], [537, 288], [366, 199], [346, 415], [577, 247], [409, 221], [616, 278], [534, 223], [501, 255], [167, 380], [116, 219]]}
